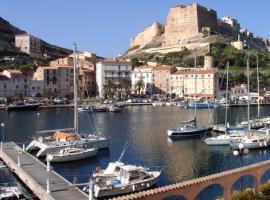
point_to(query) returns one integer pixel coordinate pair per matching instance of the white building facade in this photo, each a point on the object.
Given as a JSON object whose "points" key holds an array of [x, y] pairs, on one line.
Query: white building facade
{"points": [[113, 71], [144, 73]]}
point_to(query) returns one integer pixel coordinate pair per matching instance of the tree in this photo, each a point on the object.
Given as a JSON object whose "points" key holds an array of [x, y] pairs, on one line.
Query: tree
{"points": [[48, 93], [139, 85]]}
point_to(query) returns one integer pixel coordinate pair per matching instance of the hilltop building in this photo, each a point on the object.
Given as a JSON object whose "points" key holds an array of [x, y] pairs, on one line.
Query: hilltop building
{"points": [[28, 44], [111, 72], [188, 21]]}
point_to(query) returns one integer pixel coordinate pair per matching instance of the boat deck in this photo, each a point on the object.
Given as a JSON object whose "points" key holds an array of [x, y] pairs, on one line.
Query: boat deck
{"points": [[33, 173]]}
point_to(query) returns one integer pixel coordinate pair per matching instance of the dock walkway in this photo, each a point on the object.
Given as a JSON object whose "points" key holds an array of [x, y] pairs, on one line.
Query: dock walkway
{"points": [[33, 173]]}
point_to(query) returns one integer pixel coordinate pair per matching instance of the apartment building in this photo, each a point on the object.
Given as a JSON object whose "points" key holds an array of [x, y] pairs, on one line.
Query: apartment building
{"points": [[144, 74]]}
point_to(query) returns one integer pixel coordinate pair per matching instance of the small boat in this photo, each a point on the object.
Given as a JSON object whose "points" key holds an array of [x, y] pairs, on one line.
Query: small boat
{"points": [[22, 106], [200, 105], [93, 109], [114, 109], [224, 139], [10, 192], [119, 178], [251, 142], [189, 130], [71, 154]]}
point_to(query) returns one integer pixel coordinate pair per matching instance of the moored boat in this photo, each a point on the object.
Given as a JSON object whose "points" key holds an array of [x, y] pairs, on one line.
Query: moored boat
{"points": [[71, 154], [119, 178], [22, 106]]}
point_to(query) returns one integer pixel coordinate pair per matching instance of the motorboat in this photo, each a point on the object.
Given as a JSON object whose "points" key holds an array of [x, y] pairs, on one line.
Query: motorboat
{"points": [[93, 109], [10, 192], [22, 106], [204, 104], [189, 130], [114, 108], [62, 138], [71, 154], [119, 178]]}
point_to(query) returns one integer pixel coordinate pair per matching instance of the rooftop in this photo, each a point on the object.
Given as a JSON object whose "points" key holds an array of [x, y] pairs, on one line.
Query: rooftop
{"points": [[114, 60], [198, 71]]}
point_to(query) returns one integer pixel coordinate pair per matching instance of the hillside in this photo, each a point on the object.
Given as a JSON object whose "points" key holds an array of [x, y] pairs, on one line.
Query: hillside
{"points": [[7, 48]]}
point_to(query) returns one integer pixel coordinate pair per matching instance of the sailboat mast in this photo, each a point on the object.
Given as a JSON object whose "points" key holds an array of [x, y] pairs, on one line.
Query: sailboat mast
{"points": [[258, 85], [195, 72], [75, 89], [248, 110], [227, 85]]}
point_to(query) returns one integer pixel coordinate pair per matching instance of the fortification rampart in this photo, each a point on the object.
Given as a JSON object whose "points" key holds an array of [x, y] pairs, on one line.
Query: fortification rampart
{"points": [[149, 34]]}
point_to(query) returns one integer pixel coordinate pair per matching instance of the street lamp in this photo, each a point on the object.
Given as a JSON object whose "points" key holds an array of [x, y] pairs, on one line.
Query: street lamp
{"points": [[3, 131], [240, 153]]}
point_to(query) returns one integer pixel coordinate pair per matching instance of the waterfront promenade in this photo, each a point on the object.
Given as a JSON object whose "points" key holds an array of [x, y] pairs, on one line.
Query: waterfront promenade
{"points": [[33, 173]]}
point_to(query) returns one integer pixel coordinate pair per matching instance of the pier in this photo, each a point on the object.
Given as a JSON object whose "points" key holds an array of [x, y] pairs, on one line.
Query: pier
{"points": [[45, 183]]}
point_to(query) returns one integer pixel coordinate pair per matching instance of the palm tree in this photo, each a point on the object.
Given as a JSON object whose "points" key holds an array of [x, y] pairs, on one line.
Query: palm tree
{"points": [[139, 85], [126, 85]]}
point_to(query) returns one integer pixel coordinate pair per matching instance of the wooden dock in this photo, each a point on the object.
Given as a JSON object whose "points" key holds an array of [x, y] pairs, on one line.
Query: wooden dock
{"points": [[33, 173]]}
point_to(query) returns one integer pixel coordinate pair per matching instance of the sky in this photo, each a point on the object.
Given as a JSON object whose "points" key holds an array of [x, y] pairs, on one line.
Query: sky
{"points": [[105, 27]]}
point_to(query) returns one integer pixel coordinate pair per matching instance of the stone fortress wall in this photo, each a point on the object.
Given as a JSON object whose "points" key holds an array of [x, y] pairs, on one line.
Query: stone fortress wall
{"points": [[149, 34], [188, 21], [187, 24]]}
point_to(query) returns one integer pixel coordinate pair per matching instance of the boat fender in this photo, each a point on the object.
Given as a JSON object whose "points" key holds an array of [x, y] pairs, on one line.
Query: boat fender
{"points": [[98, 169], [147, 185], [133, 187]]}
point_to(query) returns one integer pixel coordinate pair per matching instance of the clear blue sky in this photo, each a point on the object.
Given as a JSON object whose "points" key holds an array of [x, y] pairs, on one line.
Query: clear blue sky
{"points": [[106, 26]]}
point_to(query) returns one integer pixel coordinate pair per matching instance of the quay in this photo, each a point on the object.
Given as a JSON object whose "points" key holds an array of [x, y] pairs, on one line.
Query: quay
{"points": [[45, 183]]}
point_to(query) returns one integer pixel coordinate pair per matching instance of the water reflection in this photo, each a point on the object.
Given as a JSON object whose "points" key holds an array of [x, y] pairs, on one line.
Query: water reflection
{"points": [[144, 127]]}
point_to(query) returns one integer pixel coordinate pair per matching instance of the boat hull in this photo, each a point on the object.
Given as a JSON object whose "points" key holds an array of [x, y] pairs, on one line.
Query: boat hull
{"points": [[46, 148], [192, 133], [125, 189], [23, 108], [254, 145], [74, 157]]}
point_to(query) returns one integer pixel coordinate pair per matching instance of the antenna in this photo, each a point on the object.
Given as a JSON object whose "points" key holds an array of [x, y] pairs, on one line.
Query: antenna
{"points": [[75, 88], [123, 152]]}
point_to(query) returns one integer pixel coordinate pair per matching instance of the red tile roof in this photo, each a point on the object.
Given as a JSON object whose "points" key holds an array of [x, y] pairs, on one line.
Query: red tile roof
{"points": [[14, 71]]}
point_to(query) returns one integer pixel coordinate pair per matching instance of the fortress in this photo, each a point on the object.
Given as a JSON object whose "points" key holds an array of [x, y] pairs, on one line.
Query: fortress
{"points": [[187, 24]]}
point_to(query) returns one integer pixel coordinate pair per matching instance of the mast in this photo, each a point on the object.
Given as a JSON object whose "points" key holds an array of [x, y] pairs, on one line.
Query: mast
{"points": [[195, 72], [75, 89], [248, 110], [227, 85], [258, 85]]}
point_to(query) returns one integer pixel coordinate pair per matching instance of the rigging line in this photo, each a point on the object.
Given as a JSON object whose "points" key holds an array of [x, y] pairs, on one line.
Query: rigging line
{"points": [[94, 119]]}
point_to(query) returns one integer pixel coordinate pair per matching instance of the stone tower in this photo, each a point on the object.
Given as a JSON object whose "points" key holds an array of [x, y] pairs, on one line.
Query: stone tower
{"points": [[208, 62], [188, 21]]}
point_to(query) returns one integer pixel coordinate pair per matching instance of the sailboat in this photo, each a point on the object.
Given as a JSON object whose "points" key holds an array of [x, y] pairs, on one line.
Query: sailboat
{"points": [[258, 122], [190, 128], [61, 138], [224, 139], [251, 141]]}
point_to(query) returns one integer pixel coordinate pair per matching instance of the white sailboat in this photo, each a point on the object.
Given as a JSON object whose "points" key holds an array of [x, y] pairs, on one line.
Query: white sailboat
{"points": [[71, 154], [251, 141], [224, 139], [61, 138], [190, 129]]}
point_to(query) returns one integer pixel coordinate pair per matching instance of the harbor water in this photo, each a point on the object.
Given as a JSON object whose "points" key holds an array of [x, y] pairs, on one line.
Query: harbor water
{"points": [[145, 129]]}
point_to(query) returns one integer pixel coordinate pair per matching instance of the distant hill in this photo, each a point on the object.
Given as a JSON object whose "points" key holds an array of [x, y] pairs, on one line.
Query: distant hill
{"points": [[7, 40]]}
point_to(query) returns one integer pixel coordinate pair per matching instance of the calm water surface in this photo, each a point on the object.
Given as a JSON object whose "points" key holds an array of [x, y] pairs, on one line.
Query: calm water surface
{"points": [[144, 127]]}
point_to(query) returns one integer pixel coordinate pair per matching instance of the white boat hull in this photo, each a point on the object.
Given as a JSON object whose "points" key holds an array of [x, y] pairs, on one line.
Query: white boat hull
{"points": [[253, 145], [53, 147], [67, 158], [125, 188]]}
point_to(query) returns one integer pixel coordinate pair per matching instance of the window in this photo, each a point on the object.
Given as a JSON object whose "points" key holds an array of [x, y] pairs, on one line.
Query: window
{"points": [[25, 86], [38, 88], [47, 82], [67, 79], [33, 88], [54, 71], [17, 87], [127, 73], [5, 86], [25, 80]]}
